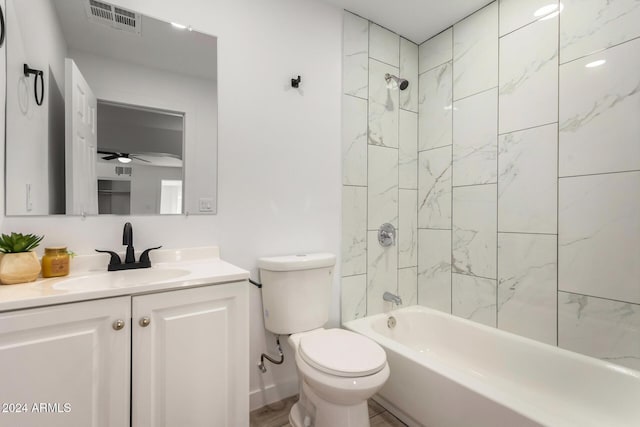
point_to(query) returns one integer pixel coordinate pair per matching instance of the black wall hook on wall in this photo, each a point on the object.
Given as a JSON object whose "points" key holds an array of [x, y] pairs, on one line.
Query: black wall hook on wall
{"points": [[296, 82], [37, 73], [1, 25]]}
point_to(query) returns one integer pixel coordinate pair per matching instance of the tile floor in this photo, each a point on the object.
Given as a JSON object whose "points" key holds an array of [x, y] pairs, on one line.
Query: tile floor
{"points": [[277, 415]]}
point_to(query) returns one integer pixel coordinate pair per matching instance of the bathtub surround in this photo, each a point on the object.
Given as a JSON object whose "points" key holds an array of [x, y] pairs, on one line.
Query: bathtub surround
{"points": [[475, 52], [435, 107], [527, 272], [527, 187], [545, 149], [434, 269], [528, 183], [587, 118], [380, 181], [593, 25]]}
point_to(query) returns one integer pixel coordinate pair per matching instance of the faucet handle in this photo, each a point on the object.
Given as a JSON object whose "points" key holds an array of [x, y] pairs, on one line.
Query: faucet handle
{"points": [[115, 258], [144, 258]]}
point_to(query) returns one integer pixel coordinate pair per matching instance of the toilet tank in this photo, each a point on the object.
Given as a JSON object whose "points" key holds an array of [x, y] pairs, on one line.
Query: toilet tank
{"points": [[296, 291]]}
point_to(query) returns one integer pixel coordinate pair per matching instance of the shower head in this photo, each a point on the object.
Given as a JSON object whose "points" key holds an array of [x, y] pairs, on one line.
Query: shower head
{"points": [[394, 82]]}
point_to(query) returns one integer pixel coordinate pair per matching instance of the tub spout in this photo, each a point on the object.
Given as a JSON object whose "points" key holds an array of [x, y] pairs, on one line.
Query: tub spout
{"points": [[393, 299]]}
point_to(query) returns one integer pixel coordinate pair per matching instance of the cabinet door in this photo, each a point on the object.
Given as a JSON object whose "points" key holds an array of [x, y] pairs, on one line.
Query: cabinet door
{"points": [[66, 365], [190, 363]]}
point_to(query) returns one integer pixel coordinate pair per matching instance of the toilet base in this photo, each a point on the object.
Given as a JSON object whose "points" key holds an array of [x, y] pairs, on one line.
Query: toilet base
{"points": [[312, 411]]}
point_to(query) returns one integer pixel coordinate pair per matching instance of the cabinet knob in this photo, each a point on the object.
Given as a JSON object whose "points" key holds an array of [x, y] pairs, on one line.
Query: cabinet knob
{"points": [[144, 321], [118, 324]]}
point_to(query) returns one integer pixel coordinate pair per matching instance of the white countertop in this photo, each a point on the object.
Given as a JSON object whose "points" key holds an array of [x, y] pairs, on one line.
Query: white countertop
{"points": [[202, 266]]}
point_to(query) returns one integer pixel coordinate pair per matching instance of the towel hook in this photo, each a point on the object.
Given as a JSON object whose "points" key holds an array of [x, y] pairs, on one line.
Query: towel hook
{"points": [[1, 25], [38, 73]]}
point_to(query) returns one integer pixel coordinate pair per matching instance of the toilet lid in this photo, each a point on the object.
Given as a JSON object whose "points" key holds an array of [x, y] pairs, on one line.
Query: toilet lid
{"points": [[342, 353]]}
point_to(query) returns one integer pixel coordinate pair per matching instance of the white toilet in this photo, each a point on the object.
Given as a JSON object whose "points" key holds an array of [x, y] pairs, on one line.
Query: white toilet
{"points": [[338, 369]]}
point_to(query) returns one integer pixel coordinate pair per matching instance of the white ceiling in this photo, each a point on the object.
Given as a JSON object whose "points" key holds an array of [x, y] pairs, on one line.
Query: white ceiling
{"points": [[416, 20], [159, 46]]}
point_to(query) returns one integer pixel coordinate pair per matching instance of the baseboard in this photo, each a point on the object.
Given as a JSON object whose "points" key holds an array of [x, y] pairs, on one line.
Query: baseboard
{"points": [[272, 393]]}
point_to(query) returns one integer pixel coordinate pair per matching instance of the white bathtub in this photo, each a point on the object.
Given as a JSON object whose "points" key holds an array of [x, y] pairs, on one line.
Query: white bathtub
{"points": [[448, 371]]}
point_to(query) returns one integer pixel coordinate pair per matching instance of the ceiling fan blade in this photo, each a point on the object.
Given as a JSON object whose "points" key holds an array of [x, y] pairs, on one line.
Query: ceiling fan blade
{"points": [[111, 157], [133, 156]]}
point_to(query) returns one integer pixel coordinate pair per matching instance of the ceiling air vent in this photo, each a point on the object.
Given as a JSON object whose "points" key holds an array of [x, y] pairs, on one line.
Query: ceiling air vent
{"points": [[114, 17], [123, 170]]}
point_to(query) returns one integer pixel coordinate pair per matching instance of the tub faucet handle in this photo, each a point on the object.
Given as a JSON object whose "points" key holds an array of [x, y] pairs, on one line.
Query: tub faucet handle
{"points": [[387, 235]]}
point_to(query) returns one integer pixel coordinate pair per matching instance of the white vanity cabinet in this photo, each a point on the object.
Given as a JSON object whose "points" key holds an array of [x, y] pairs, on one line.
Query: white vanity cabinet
{"points": [[66, 365], [171, 358], [190, 357]]}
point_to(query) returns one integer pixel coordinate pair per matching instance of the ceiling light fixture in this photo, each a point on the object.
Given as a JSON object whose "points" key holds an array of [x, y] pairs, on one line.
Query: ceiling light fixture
{"points": [[124, 159]]}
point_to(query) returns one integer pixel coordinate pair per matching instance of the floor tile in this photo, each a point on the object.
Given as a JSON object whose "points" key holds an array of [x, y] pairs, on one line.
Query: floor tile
{"points": [[273, 415], [277, 415]]}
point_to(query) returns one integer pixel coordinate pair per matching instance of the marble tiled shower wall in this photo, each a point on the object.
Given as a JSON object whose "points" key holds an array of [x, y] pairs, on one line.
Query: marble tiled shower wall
{"points": [[527, 191], [380, 172], [529, 173]]}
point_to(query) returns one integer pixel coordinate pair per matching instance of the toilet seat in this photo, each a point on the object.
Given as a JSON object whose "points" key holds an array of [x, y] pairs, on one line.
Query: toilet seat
{"points": [[342, 353]]}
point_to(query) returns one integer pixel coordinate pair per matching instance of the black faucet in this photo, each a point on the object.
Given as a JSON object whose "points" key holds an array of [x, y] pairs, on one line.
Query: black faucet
{"points": [[115, 263], [127, 239]]}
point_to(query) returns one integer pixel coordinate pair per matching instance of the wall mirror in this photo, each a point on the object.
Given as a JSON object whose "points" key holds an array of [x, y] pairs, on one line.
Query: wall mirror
{"points": [[108, 112]]}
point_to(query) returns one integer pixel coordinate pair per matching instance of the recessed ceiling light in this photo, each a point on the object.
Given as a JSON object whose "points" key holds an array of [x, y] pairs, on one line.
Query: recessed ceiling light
{"points": [[178, 26], [597, 63]]}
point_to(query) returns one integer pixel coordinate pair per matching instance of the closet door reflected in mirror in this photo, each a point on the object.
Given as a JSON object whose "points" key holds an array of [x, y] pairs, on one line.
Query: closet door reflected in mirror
{"points": [[128, 116]]}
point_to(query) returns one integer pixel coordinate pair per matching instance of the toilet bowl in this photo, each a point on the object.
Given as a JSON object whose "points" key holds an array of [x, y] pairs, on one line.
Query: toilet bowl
{"points": [[339, 370]]}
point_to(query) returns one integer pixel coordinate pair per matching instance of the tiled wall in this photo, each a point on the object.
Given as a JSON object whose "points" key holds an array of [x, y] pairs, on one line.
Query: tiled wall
{"points": [[528, 183], [529, 174], [380, 134]]}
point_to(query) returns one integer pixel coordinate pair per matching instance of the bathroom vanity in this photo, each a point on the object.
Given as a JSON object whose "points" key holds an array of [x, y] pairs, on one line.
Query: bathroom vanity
{"points": [[165, 346]]}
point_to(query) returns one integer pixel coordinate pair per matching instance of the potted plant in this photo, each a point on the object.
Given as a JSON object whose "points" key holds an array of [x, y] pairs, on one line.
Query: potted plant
{"points": [[18, 262]]}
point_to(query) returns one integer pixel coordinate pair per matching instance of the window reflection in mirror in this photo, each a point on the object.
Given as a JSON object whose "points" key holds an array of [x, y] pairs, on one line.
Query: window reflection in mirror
{"points": [[129, 119]]}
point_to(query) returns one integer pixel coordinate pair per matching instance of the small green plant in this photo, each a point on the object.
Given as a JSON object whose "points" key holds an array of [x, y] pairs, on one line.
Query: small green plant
{"points": [[18, 242]]}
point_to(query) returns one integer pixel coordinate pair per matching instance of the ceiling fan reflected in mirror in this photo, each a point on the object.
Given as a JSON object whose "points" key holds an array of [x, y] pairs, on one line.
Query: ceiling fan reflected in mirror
{"points": [[121, 157]]}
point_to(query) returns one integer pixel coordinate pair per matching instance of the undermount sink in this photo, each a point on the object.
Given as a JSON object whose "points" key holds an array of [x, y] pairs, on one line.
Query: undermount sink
{"points": [[120, 279]]}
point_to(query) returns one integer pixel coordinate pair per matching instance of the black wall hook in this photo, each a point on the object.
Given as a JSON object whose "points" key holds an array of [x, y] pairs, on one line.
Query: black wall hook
{"points": [[1, 25], [37, 73], [296, 82]]}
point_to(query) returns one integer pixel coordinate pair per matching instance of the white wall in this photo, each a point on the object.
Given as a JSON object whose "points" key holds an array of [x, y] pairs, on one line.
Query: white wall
{"points": [[38, 42], [132, 84], [279, 150]]}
